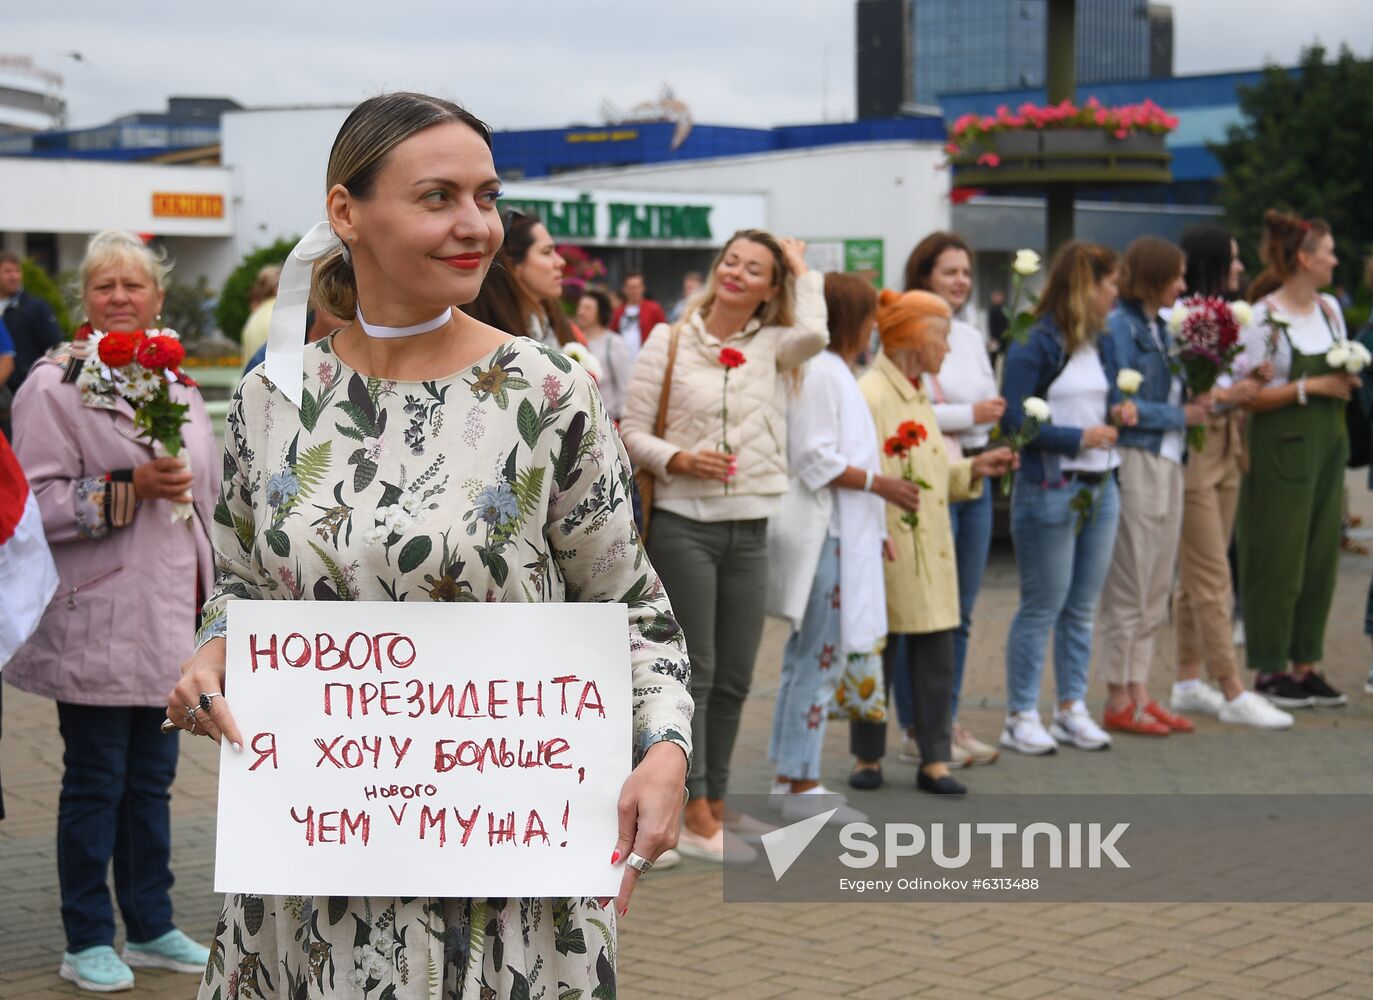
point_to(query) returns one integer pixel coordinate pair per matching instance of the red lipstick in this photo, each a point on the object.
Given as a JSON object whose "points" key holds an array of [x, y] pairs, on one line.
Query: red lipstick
{"points": [[464, 261]]}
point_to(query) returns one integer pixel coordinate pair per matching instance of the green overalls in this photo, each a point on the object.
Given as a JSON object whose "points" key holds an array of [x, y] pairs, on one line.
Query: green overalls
{"points": [[1291, 509]]}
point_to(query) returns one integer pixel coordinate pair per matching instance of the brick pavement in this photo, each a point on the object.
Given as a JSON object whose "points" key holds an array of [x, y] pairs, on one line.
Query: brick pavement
{"points": [[681, 940]]}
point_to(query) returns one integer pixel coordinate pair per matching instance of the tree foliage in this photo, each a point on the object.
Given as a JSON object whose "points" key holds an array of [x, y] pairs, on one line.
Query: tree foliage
{"points": [[38, 283], [232, 310], [1305, 146]]}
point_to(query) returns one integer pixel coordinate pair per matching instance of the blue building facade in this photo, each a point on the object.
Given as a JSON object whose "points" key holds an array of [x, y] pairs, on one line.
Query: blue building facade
{"points": [[970, 45], [547, 152]]}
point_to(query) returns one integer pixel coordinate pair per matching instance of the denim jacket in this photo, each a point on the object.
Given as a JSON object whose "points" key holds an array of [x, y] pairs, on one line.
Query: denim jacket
{"points": [[1132, 345], [1030, 369]]}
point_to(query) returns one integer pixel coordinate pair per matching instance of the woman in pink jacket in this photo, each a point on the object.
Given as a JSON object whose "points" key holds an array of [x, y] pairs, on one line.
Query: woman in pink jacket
{"points": [[108, 646]]}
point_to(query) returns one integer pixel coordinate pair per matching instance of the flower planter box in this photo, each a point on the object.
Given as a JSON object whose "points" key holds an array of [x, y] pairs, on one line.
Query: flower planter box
{"points": [[1082, 156]]}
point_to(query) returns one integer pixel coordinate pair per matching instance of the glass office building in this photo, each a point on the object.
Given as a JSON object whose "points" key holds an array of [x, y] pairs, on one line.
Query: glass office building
{"points": [[967, 45]]}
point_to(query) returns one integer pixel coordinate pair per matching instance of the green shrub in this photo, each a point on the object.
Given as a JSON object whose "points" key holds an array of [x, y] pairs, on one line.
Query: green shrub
{"points": [[37, 282], [183, 310], [232, 311]]}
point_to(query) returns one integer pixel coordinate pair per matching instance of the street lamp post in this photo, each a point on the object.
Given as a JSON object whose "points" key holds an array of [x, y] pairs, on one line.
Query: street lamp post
{"points": [[1061, 83]]}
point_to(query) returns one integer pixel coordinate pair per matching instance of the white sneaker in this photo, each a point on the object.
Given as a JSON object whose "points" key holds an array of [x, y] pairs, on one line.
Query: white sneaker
{"points": [[1237, 636], [909, 752], [959, 756], [1199, 697], [668, 859], [1248, 709], [775, 793], [803, 805], [1075, 726], [1024, 733]]}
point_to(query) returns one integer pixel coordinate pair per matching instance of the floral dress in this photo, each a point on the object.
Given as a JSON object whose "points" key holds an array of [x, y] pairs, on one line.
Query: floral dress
{"points": [[506, 482]]}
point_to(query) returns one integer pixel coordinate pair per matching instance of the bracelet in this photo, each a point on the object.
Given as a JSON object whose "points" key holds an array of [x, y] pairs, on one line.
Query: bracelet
{"points": [[867, 483], [1301, 391]]}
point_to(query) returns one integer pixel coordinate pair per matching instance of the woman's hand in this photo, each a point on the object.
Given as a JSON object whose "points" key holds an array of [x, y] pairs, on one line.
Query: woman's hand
{"points": [[897, 491], [1262, 373], [989, 411], [1194, 414], [704, 464], [1101, 436], [650, 812], [794, 253], [996, 462], [1125, 414], [1242, 393], [163, 478], [202, 674], [888, 549], [1334, 385]]}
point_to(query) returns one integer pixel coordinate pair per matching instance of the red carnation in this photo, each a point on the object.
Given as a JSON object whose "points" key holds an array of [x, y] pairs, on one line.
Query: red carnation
{"points": [[158, 353], [731, 358], [895, 447], [911, 433], [117, 349]]}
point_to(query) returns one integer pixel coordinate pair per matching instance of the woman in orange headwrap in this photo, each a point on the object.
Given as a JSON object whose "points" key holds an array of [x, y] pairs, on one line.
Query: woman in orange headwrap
{"points": [[921, 574]]}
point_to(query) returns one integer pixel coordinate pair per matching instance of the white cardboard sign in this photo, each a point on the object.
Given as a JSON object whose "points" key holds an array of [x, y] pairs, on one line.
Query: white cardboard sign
{"points": [[395, 749]]}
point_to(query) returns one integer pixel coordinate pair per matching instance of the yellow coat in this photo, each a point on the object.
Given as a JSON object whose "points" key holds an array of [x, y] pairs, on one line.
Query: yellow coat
{"points": [[925, 599]]}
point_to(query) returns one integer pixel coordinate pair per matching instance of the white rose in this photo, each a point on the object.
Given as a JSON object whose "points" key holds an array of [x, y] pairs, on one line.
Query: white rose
{"points": [[1026, 263], [1036, 409], [1128, 381], [1338, 355], [1177, 318], [1244, 316], [1358, 358]]}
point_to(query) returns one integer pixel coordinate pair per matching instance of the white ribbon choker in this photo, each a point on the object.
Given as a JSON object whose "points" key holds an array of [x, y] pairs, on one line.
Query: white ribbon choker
{"points": [[396, 332]]}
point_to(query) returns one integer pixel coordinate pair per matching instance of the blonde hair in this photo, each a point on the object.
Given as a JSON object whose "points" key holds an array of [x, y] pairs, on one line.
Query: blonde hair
{"points": [[780, 310], [1073, 277], [115, 246], [374, 128], [265, 284]]}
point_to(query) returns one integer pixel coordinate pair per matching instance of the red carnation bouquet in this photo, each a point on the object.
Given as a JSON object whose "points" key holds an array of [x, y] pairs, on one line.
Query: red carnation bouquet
{"points": [[1206, 340], [909, 436], [140, 366], [730, 358]]}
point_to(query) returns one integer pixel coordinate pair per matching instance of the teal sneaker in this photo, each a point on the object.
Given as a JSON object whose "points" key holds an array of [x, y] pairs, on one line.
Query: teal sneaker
{"points": [[172, 950], [97, 969]]}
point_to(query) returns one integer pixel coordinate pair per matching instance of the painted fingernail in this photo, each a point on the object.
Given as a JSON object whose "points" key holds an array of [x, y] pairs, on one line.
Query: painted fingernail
{"points": [[625, 910], [236, 746], [615, 857]]}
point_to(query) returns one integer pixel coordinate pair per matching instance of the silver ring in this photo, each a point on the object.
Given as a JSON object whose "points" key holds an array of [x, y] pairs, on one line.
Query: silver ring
{"points": [[640, 864], [168, 726], [207, 699]]}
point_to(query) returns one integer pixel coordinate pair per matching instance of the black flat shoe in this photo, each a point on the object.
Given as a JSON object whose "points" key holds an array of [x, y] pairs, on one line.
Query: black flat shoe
{"points": [[939, 786], [865, 779]]}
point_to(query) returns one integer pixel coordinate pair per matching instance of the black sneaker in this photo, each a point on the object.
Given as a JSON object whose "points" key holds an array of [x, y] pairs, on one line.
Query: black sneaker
{"points": [[1321, 693], [1284, 690]]}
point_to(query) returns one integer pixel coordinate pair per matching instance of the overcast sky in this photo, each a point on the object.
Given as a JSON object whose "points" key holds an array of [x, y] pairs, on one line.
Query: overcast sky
{"points": [[526, 63]]}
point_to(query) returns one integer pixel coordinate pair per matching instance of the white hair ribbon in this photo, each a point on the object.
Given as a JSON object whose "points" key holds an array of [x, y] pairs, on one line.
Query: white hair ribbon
{"points": [[285, 364]]}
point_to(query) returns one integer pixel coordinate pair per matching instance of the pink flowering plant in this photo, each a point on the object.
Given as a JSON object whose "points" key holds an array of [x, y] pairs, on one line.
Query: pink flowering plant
{"points": [[972, 130]]}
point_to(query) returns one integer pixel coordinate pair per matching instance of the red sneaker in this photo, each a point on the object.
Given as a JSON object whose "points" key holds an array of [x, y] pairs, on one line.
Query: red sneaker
{"points": [[1175, 723], [1133, 719]]}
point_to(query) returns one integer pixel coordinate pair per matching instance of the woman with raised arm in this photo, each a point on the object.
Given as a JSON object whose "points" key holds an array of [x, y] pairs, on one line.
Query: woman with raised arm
{"points": [[432, 394]]}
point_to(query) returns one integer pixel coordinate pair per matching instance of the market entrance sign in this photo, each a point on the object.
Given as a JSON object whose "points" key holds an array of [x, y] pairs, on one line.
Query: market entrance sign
{"points": [[643, 218]]}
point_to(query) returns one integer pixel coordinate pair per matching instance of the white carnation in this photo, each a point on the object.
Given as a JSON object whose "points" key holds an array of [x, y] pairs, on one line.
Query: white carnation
{"points": [[1338, 355], [1244, 315], [1358, 359], [1026, 263], [1128, 381], [1177, 318], [1036, 409]]}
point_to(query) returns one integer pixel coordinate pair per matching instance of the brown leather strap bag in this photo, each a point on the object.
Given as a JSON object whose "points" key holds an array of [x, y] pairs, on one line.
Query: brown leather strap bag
{"points": [[643, 478]]}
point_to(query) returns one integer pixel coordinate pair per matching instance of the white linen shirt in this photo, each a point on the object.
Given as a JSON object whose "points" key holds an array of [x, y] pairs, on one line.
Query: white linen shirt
{"points": [[1077, 398], [1309, 334], [829, 428]]}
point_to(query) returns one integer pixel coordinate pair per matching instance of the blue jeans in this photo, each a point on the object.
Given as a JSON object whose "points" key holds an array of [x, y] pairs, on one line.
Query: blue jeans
{"points": [[1061, 575], [971, 521], [812, 664], [115, 806]]}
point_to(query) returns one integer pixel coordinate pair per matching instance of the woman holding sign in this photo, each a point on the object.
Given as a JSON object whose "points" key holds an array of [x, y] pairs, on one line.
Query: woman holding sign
{"points": [[450, 462]]}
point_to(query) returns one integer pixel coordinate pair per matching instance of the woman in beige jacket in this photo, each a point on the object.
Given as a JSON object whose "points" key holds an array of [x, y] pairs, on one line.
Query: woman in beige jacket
{"points": [[922, 576], [721, 470]]}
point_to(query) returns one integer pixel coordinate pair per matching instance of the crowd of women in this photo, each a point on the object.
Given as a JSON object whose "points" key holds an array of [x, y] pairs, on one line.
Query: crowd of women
{"points": [[803, 446]]}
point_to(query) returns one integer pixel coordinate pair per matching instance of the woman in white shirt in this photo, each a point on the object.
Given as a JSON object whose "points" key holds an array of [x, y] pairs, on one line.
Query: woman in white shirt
{"points": [[836, 603], [967, 406], [593, 313], [1291, 499]]}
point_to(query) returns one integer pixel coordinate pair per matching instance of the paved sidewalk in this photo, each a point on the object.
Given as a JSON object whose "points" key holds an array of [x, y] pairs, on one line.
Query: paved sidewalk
{"points": [[681, 940]]}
